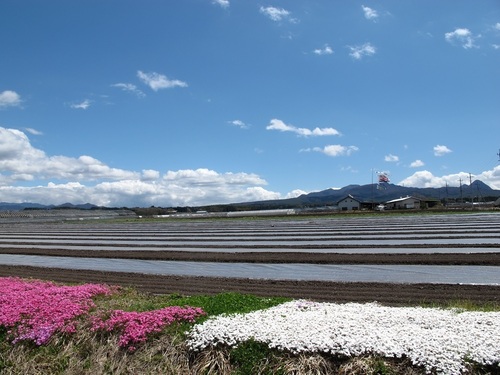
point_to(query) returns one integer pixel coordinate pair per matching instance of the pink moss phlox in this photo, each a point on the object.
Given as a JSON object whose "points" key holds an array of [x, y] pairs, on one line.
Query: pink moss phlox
{"points": [[35, 310], [135, 326]]}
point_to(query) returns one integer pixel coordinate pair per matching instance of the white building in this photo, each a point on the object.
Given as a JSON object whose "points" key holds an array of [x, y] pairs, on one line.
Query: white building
{"points": [[349, 203], [403, 203]]}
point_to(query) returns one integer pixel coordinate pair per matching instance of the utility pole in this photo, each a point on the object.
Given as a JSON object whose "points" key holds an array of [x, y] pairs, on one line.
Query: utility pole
{"points": [[470, 188], [373, 205], [461, 196]]}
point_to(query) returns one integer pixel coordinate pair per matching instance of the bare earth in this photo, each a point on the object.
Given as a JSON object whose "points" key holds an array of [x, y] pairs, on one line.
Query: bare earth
{"points": [[387, 293]]}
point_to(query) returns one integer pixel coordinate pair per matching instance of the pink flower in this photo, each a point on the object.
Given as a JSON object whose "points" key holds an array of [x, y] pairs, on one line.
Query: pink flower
{"points": [[135, 326], [35, 310]]}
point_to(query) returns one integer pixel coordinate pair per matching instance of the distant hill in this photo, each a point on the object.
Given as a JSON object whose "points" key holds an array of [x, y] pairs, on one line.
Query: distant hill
{"points": [[5, 206], [378, 193]]}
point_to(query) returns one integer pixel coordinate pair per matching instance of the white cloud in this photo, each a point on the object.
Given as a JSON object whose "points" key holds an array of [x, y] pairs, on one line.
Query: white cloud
{"points": [[129, 87], [497, 26], [19, 157], [275, 14], [463, 37], [222, 3], [295, 193], [276, 124], [33, 131], [86, 179], [441, 150], [391, 158], [82, 105], [326, 50], [334, 150], [496, 46], [358, 52], [370, 14], [9, 98], [417, 164], [158, 81], [239, 124], [150, 175]]}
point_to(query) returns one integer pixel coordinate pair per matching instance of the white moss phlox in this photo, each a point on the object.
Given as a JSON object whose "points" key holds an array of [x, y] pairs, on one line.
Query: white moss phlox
{"points": [[438, 339]]}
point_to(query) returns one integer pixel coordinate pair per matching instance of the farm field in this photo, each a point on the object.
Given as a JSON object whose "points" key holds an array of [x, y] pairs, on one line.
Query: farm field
{"points": [[385, 258]]}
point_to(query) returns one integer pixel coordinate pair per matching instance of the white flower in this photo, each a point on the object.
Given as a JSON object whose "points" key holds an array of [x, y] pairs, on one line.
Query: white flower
{"points": [[436, 339]]}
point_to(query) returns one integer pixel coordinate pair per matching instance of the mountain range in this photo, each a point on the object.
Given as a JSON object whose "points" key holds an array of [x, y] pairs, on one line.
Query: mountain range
{"points": [[477, 191]]}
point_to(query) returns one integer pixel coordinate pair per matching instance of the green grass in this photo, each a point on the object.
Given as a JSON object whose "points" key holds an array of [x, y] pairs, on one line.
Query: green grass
{"points": [[129, 299]]}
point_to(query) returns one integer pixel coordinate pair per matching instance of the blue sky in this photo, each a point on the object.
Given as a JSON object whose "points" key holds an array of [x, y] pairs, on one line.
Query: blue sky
{"points": [[193, 102]]}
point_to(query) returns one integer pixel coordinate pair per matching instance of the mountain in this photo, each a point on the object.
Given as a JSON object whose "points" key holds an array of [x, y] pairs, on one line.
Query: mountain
{"points": [[378, 193]]}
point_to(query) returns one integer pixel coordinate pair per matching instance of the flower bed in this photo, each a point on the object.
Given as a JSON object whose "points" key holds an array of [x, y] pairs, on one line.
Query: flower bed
{"points": [[36, 310], [437, 339], [135, 326], [440, 340]]}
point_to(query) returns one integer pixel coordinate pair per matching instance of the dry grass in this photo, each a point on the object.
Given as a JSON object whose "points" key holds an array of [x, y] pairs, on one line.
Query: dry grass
{"points": [[303, 364], [90, 353], [212, 361], [87, 354]]}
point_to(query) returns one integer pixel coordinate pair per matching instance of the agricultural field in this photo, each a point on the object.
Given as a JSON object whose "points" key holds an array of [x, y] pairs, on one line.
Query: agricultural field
{"points": [[355, 294], [358, 258]]}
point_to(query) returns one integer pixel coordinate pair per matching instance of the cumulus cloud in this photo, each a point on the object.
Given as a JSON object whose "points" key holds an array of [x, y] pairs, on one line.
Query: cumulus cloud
{"points": [[276, 124], [82, 105], [391, 158], [19, 158], [150, 175], [360, 51], [417, 164], [334, 150], [370, 14], [222, 3], [86, 179], [326, 50], [186, 188], [441, 150], [275, 14], [463, 37], [9, 98], [130, 88], [158, 81]]}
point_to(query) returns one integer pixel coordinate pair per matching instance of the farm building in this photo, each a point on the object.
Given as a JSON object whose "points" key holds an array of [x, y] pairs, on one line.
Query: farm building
{"points": [[403, 203], [349, 203]]}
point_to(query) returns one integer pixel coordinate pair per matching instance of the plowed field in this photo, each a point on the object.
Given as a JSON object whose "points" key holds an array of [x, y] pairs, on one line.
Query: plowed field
{"points": [[427, 239]]}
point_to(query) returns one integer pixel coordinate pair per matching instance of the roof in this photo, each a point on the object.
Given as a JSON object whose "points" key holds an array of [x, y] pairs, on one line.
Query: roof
{"points": [[349, 197], [402, 199]]}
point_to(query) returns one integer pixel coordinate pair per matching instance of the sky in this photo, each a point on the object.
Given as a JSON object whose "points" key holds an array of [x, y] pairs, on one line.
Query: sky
{"points": [[128, 103]]}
